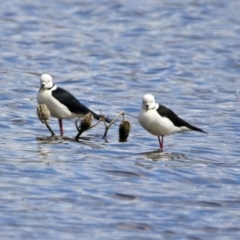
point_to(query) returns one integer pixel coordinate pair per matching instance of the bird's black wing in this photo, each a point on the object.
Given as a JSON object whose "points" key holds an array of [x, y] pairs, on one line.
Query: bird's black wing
{"points": [[67, 99], [177, 121]]}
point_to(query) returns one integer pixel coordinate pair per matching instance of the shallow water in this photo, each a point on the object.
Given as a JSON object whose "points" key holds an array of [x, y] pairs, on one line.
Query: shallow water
{"points": [[109, 54]]}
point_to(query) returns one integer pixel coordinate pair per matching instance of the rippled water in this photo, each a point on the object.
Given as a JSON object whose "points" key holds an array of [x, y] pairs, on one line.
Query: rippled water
{"points": [[108, 54]]}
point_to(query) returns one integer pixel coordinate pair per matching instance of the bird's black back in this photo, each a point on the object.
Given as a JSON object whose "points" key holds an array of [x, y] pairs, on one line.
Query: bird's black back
{"points": [[67, 99], [177, 121]]}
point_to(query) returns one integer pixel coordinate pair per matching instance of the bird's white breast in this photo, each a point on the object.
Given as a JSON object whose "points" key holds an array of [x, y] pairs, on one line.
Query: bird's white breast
{"points": [[156, 124], [57, 109]]}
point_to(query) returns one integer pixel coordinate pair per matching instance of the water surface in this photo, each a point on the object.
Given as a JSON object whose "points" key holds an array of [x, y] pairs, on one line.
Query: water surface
{"points": [[109, 54]]}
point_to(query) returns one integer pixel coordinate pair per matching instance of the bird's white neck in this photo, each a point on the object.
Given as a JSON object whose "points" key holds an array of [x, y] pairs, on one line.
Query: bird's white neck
{"points": [[54, 87], [155, 107]]}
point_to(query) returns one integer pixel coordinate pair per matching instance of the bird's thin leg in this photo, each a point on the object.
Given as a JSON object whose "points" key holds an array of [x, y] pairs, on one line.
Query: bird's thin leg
{"points": [[160, 143], [60, 125]]}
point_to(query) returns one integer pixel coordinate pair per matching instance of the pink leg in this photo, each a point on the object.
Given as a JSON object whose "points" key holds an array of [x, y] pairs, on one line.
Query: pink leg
{"points": [[61, 127], [160, 143]]}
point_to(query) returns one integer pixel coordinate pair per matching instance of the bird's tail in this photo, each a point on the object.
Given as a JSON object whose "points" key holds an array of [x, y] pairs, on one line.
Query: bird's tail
{"points": [[197, 129]]}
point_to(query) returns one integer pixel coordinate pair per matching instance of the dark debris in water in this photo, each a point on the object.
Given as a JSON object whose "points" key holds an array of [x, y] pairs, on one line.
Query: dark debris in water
{"points": [[124, 129], [124, 196], [134, 226], [86, 124], [18, 121], [124, 173]]}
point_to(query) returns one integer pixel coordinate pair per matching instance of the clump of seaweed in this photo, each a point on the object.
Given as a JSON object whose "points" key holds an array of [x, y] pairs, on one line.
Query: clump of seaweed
{"points": [[124, 130], [86, 123], [43, 115]]}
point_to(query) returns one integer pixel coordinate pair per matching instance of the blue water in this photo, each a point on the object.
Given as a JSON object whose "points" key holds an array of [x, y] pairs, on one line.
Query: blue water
{"points": [[109, 54]]}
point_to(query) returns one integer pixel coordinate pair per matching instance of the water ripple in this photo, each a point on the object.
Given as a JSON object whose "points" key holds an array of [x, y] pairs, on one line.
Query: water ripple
{"points": [[108, 54]]}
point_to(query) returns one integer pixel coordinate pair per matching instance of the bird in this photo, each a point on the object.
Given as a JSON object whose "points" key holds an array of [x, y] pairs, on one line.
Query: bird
{"points": [[61, 103], [160, 120]]}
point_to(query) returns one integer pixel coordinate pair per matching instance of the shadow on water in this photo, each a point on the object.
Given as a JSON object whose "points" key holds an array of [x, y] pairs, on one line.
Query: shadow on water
{"points": [[134, 226], [58, 139], [123, 173], [157, 155]]}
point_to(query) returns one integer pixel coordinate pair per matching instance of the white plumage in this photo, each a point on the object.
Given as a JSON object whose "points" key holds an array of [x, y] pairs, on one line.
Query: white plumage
{"points": [[161, 121], [61, 103]]}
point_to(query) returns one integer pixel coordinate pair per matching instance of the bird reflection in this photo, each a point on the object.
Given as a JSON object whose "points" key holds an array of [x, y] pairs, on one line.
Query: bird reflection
{"points": [[58, 139], [163, 156]]}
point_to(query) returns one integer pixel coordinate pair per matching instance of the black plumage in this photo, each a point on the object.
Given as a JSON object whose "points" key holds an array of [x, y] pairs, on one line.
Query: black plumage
{"points": [[177, 121], [67, 99]]}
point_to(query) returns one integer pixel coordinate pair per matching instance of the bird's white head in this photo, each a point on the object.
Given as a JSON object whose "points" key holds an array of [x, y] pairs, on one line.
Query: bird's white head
{"points": [[148, 102], [46, 81]]}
